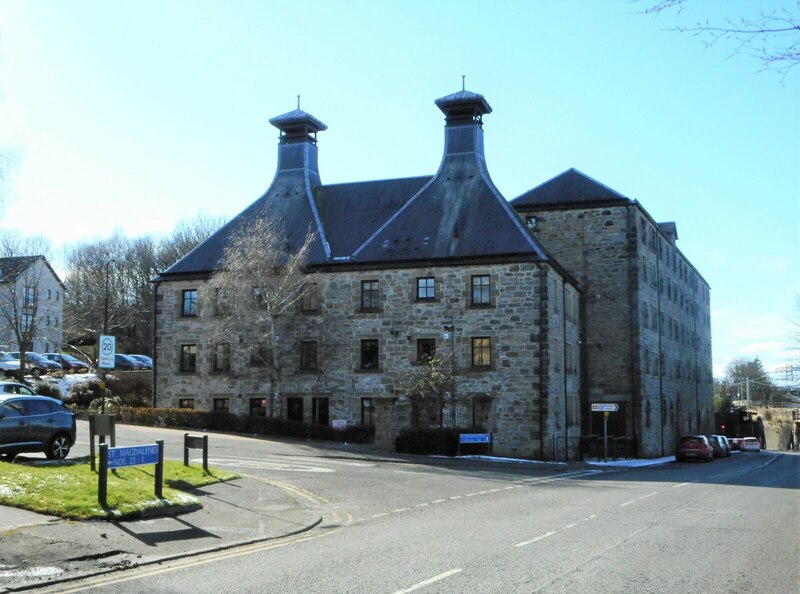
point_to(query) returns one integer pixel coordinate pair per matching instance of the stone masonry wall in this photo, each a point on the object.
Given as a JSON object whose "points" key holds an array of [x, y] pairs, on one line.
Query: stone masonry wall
{"points": [[509, 390], [647, 324]]}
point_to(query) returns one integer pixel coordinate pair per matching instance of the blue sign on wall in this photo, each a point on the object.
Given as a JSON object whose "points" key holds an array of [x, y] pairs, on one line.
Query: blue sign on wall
{"points": [[133, 456], [475, 438]]}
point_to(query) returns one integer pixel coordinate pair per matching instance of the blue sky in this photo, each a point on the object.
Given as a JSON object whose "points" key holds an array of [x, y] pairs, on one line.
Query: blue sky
{"points": [[129, 116]]}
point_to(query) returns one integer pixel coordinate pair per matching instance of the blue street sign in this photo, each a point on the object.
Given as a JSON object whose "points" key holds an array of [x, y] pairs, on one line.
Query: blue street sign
{"points": [[475, 438], [133, 456]]}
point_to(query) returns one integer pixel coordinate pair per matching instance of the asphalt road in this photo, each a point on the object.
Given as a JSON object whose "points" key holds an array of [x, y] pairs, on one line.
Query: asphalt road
{"points": [[397, 525]]}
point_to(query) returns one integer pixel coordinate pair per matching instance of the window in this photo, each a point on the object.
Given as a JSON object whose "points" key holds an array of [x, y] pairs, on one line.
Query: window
{"points": [[426, 288], [258, 407], [481, 290], [222, 357], [426, 349], [482, 351], [26, 320], [223, 302], [28, 296], [56, 295], [309, 301], [367, 412], [369, 354], [308, 355], [188, 358], [259, 354], [531, 221], [48, 319], [55, 321], [222, 405], [186, 403], [189, 303], [369, 294], [49, 294]]}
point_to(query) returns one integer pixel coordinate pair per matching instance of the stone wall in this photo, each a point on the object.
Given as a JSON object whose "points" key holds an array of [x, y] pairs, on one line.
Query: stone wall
{"points": [[647, 340], [513, 397]]}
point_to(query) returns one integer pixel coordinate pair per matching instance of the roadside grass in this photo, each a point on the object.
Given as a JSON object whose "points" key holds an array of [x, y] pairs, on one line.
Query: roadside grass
{"points": [[68, 488]]}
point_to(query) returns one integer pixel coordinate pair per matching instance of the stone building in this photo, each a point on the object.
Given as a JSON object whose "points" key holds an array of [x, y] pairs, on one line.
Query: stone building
{"points": [[646, 310], [405, 267], [31, 302]]}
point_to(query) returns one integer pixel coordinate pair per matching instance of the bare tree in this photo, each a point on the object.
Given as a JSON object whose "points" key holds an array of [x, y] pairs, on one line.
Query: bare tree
{"points": [[114, 275], [260, 280], [430, 388], [771, 36], [23, 308], [187, 235]]}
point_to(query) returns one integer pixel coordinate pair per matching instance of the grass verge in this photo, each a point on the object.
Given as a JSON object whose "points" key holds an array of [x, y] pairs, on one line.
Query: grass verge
{"points": [[68, 488]]}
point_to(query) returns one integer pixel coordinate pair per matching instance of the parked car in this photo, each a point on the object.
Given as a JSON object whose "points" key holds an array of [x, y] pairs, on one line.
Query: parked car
{"points": [[36, 364], [695, 447], [720, 446], [8, 364], [147, 361], [735, 442], [68, 362], [32, 423], [127, 363], [750, 444]]}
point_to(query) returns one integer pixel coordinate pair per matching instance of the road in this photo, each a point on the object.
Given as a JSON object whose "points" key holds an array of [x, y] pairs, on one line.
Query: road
{"points": [[436, 525]]}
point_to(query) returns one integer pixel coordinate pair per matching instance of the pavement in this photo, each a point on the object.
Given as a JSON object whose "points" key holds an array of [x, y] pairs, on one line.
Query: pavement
{"points": [[38, 550]]}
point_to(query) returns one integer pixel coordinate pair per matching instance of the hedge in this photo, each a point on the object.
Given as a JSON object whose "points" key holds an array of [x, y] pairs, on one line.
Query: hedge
{"points": [[218, 421], [436, 441]]}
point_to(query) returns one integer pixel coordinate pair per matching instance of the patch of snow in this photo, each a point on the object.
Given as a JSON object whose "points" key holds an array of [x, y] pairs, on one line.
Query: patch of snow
{"points": [[634, 463]]}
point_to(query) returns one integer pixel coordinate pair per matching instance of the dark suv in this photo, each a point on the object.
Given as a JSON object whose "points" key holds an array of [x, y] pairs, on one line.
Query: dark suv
{"points": [[31, 423]]}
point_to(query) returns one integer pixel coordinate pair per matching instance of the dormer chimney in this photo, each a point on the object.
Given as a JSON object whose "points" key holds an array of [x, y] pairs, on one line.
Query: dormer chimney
{"points": [[297, 145], [463, 113]]}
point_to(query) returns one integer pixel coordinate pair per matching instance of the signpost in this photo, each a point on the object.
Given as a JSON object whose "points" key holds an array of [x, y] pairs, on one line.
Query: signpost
{"points": [[130, 456], [606, 408], [108, 348]]}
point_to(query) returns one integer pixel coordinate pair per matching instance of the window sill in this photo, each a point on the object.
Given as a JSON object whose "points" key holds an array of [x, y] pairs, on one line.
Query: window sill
{"points": [[368, 371], [369, 310]]}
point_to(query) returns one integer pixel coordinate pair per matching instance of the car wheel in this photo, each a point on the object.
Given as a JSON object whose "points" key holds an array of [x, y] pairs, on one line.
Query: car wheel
{"points": [[36, 372], [8, 456], [59, 447]]}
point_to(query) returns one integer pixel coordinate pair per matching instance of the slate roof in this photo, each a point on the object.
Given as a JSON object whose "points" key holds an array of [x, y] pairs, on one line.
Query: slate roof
{"points": [[351, 213], [451, 218], [12, 267], [297, 116], [455, 214], [569, 188]]}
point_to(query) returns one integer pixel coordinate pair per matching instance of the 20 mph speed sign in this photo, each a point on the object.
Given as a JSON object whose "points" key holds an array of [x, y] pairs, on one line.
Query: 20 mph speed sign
{"points": [[108, 348]]}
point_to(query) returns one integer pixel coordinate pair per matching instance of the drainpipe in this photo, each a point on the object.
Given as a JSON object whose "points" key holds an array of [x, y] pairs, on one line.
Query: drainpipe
{"points": [[564, 359], [635, 348], [660, 352], [155, 349], [542, 350]]}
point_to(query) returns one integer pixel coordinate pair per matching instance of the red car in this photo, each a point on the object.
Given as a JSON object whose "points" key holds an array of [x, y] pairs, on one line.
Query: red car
{"points": [[694, 446]]}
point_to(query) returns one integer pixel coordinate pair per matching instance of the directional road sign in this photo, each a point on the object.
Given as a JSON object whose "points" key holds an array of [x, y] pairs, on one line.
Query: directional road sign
{"points": [[604, 407]]}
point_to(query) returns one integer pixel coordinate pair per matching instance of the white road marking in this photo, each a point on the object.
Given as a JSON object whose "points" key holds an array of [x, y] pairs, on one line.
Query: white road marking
{"points": [[266, 465], [768, 463], [401, 510], [379, 515], [439, 500], [552, 532], [680, 485], [638, 499], [429, 581]]}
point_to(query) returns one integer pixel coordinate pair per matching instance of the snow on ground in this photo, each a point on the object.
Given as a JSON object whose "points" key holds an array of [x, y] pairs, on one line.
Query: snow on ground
{"points": [[66, 382], [636, 463]]}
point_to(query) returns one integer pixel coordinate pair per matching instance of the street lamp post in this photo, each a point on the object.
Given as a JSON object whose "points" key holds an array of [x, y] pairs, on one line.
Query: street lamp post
{"points": [[105, 332], [105, 299]]}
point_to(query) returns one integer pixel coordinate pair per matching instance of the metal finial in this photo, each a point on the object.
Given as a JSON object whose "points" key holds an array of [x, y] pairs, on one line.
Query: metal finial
{"points": [[463, 82], [298, 102]]}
